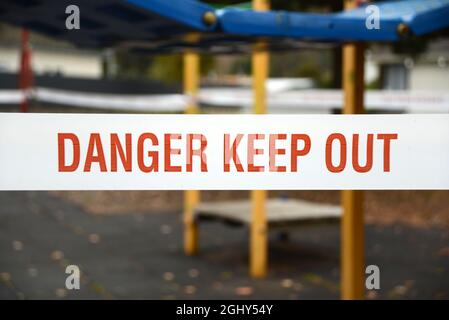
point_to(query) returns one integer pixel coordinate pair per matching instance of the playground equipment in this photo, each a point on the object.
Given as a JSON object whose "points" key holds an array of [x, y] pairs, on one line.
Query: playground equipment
{"points": [[192, 26], [160, 25], [281, 213]]}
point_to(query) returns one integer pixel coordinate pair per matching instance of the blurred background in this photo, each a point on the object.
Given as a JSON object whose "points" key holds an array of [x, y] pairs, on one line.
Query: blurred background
{"points": [[129, 244]]}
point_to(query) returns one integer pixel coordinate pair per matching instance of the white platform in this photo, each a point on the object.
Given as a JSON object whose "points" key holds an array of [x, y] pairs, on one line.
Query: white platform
{"points": [[280, 213]]}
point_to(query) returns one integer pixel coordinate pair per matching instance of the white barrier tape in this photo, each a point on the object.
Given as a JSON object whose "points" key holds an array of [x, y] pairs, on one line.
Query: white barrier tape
{"points": [[155, 103], [325, 100], [139, 103], [91, 152], [306, 101], [11, 96]]}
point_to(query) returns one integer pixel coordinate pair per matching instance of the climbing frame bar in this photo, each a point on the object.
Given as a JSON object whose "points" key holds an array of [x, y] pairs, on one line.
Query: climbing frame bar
{"points": [[191, 64], [258, 231], [352, 225]]}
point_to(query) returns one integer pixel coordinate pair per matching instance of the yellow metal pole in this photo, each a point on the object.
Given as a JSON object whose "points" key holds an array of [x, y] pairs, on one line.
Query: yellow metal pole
{"points": [[258, 232], [191, 63], [352, 226]]}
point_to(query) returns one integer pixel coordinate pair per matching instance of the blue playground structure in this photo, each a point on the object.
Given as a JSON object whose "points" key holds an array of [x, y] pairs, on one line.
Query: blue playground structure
{"points": [[159, 25]]}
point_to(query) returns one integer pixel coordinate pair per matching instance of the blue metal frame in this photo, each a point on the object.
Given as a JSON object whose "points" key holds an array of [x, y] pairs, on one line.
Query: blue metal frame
{"points": [[106, 23], [161, 24], [187, 12], [420, 16]]}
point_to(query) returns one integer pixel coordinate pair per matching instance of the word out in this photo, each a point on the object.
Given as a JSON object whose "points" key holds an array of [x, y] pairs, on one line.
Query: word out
{"points": [[343, 154]]}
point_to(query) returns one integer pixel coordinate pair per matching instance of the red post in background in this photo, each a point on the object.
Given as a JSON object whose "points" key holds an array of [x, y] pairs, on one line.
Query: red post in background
{"points": [[25, 72]]}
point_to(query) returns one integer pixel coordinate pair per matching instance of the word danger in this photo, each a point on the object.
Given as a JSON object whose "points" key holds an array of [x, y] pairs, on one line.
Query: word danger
{"points": [[257, 152]]}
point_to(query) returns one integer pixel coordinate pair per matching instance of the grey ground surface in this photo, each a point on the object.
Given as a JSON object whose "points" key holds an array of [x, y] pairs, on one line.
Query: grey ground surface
{"points": [[140, 256]]}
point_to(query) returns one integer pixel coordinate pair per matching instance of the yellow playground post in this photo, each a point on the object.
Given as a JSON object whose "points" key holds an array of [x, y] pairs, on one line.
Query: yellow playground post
{"points": [[258, 249], [191, 64], [352, 224]]}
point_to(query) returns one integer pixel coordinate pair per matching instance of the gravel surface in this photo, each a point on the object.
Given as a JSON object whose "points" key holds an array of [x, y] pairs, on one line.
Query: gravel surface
{"points": [[412, 208], [140, 256]]}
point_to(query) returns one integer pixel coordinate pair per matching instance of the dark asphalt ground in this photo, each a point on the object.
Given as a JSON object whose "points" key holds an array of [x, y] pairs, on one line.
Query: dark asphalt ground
{"points": [[139, 256]]}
